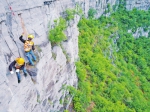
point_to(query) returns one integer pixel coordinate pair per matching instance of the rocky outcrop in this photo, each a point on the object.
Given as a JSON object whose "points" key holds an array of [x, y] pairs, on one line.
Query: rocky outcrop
{"points": [[139, 4], [139, 32], [55, 69]]}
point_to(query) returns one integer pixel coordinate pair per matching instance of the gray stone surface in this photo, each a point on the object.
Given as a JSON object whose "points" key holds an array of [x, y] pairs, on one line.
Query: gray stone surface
{"points": [[139, 4], [139, 32], [43, 95]]}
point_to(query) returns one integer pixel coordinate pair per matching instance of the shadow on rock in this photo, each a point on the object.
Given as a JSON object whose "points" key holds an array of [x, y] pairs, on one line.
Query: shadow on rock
{"points": [[32, 70]]}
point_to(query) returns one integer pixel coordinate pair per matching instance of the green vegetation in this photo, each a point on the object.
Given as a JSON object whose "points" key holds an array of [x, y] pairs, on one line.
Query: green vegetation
{"points": [[65, 53], [70, 14], [114, 67], [57, 35], [91, 13], [109, 9]]}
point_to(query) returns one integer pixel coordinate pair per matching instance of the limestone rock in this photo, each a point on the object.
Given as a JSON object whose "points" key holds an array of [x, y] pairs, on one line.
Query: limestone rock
{"points": [[139, 4], [56, 66]]}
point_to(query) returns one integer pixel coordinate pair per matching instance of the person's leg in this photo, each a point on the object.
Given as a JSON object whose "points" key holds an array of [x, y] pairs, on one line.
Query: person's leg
{"points": [[33, 56], [28, 56], [18, 76], [25, 71]]}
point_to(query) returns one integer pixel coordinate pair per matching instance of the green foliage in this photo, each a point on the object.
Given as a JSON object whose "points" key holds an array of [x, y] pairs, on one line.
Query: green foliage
{"points": [[149, 34], [65, 53], [70, 14], [66, 111], [133, 19], [91, 12], [109, 9], [57, 35], [54, 55], [71, 90], [113, 81], [78, 10]]}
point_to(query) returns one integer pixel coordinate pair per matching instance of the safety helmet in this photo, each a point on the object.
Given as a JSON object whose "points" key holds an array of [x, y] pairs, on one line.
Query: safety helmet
{"points": [[30, 36], [20, 61]]}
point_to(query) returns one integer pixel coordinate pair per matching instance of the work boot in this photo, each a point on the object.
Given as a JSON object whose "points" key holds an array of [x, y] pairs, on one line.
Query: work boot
{"points": [[25, 74], [31, 64], [19, 81], [34, 60]]}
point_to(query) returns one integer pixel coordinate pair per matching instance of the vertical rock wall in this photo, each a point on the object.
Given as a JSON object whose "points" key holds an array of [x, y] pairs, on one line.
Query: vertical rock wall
{"points": [[54, 71], [139, 4]]}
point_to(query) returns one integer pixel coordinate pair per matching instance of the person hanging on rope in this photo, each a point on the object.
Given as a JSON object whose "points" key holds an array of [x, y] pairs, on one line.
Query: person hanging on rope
{"points": [[18, 64], [28, 44], [29, 48]]}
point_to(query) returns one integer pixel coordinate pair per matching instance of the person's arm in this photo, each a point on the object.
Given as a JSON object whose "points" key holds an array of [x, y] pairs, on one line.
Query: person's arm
{"points": [[22, 40], [33, 47], [22, 67], [11, 65]]}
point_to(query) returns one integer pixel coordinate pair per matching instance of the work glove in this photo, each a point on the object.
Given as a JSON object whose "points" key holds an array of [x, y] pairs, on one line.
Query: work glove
{"points": [[11, 72], [22, 34], [17, 70]]}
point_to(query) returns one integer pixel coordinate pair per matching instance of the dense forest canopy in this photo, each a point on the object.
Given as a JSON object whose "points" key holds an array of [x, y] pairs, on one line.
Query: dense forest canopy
{"points": [[114, 66]]}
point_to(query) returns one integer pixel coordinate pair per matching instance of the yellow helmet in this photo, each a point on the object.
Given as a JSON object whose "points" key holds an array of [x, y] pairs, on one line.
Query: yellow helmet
{"points": [[20, 61], [30, 36]]}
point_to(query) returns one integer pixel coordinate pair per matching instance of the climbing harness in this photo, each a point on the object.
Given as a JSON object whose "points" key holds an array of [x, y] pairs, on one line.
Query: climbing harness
{"points": [[28, 46]]}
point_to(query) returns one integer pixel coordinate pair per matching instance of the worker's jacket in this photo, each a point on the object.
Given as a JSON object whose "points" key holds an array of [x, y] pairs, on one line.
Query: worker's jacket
{"points": [[28, 45], [16, 66]]}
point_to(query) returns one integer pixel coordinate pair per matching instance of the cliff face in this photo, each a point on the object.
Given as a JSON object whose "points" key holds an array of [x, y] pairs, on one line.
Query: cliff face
{"points": [[47, 92], [139, 4]]}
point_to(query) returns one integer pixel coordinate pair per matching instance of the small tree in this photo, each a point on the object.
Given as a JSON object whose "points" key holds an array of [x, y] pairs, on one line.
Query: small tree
{"points": [[70, 14], [91, 13], [57, 35]]}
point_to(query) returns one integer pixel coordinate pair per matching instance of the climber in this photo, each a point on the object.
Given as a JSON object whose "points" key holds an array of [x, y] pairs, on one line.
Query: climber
{"points": [[18, 64], [29, 48]]}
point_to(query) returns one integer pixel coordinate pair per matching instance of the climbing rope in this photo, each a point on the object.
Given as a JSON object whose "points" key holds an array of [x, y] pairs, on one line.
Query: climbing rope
{"points": [[23, 26], [4, 38], [10, 8]]}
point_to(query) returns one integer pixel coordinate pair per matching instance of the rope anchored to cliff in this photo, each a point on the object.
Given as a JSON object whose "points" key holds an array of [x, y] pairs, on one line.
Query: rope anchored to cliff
{"points": [[23, 26], [10, 8], [1, 35]]}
